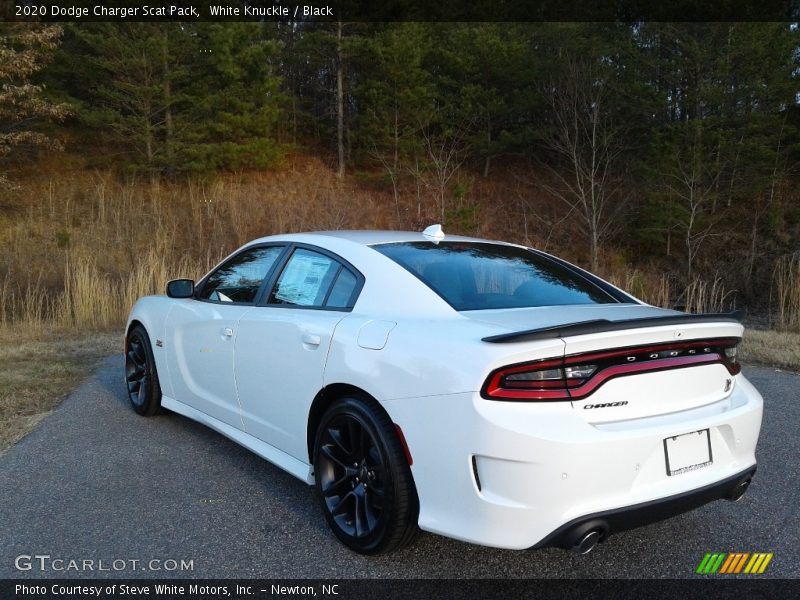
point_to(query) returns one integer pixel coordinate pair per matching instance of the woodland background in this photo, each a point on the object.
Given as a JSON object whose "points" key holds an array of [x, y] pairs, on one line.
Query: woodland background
{"points": [[663, 156]]}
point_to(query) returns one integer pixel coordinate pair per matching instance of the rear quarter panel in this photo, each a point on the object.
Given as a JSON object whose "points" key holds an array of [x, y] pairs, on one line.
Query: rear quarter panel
{"points": [[424, 357]]}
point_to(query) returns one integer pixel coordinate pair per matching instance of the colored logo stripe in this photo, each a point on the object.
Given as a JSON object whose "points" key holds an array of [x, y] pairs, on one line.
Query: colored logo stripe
{"points": [[758, 563], [710, 563], [734, 562], [728, 562], [704, 563]]}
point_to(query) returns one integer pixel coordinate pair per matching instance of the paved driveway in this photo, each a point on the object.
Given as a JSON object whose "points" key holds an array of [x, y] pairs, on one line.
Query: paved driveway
{"points": [[96, 482]]}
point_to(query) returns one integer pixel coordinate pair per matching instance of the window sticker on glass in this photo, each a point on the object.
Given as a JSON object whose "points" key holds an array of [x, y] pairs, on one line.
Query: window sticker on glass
{"points": [[306, 279]]}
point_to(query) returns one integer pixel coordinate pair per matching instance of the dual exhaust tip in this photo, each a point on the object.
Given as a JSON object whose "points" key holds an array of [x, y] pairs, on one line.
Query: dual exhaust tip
{"points": [[588, 537]]}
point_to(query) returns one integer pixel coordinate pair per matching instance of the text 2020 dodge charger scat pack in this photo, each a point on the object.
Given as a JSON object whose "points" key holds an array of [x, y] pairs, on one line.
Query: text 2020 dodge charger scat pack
{"points": [[480, 390]]}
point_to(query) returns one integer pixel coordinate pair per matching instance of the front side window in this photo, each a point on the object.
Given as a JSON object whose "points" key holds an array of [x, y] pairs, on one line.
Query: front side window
{"points": [[314, 280], [479, 276], [239, 279]]}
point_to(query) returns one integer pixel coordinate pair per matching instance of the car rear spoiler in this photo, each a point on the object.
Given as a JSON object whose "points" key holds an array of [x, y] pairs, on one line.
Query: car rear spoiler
{"points": [[601, 325]]}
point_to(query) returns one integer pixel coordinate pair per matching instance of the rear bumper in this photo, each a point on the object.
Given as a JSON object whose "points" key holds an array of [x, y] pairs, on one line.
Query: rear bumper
{"points": [[519, 475], [637, 515]]}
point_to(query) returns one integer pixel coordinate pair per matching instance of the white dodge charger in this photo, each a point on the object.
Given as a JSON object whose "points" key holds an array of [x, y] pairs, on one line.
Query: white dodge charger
{"points": [[480, 390]]}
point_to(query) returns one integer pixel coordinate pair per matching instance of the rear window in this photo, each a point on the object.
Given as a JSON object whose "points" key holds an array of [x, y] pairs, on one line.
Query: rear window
{"points": [[480, 276]]}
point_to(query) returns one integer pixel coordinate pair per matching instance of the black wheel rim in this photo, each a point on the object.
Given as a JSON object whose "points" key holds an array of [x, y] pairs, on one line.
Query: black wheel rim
{"points": [[351, 475], [137, 374]]}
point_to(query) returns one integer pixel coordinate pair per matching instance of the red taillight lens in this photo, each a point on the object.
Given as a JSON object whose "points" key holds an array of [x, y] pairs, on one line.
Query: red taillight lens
{"points": [[577, 376]]}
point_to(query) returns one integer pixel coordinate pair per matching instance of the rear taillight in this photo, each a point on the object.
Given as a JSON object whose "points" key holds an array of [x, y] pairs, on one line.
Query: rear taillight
{"points": [[542, 380], [731, 361], [577, 376]]}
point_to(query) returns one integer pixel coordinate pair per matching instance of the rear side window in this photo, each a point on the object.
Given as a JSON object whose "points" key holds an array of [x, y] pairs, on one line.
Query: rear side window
{"points": [[341, 295], [479, 276], [313, 280]]}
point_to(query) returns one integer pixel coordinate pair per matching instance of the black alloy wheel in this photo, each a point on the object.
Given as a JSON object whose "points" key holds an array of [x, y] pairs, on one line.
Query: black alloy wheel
{"points": [[363, 479], [141, 378]]}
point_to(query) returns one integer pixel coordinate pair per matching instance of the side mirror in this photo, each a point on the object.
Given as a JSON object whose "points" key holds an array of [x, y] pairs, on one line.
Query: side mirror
{"points": [[180, 288]]}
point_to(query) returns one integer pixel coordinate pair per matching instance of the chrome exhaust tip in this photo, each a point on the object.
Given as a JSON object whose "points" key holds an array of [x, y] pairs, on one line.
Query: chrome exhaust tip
{"points": [[587, 543], [737, 492]]}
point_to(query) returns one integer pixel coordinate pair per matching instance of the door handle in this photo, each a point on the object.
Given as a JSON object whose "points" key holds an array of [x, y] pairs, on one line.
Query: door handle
{"points": [[311, 340], [227, 332]]}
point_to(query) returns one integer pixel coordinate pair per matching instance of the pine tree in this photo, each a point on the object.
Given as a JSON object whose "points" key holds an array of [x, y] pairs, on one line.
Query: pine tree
{"points": [[177, 97], [232, 102], [120, 76], [394, 97]]}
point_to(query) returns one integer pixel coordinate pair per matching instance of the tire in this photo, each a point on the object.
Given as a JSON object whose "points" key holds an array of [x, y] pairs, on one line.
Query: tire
{"points": [[141, 377], [362, 478]]}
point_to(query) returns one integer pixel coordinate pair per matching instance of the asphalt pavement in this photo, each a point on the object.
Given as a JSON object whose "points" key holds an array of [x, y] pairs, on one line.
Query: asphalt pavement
{"points": [[137, 497]]}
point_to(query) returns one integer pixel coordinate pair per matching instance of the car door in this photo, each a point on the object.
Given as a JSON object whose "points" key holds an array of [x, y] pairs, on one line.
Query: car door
{"points": [[201, 332], [282, 346]]}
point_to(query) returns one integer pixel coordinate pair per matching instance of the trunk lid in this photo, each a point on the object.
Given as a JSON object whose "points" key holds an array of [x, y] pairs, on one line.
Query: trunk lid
{"points": [[665, 363], [693, 380]]}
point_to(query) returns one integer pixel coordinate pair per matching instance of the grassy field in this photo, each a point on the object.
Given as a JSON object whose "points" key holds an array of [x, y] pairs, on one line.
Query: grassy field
{"points": [[771, 349], [36, 373], [79, 248]]}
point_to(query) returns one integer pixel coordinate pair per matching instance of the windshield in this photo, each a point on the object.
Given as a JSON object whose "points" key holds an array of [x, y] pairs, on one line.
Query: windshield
{"points": [[480, 276]]}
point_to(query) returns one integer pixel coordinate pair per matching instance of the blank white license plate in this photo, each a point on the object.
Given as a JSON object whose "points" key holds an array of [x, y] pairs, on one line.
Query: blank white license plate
{"points": [[687, 452]]}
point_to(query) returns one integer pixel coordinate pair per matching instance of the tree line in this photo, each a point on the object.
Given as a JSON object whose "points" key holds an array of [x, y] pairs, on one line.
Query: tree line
{"points": [[676, 142]]}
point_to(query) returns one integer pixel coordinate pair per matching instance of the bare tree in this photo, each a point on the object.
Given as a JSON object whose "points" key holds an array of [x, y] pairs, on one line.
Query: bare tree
{"points": [[547, 224], [391, 164], [691, 181], [444, 153], [584, 142], [694, 196]]}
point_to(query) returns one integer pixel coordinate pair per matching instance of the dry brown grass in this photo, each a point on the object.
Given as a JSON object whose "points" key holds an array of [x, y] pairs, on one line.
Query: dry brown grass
{"points": [[653, 289], [656, 288], [80, 248], [706, 296], [36, 372], [786, 286], [771, 348]]}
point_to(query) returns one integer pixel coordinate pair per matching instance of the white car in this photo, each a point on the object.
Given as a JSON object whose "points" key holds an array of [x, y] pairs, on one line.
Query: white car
{"points": [[480, 390]]}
